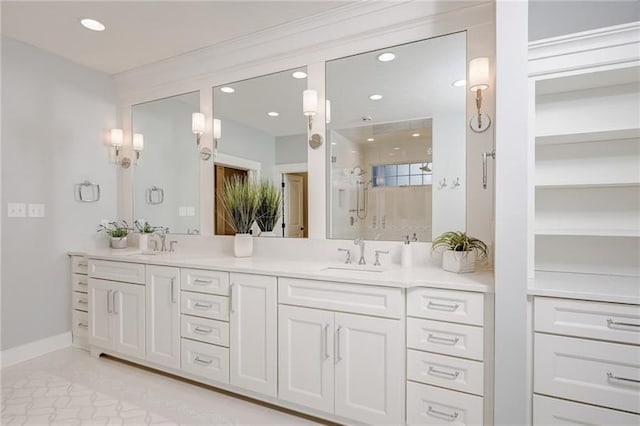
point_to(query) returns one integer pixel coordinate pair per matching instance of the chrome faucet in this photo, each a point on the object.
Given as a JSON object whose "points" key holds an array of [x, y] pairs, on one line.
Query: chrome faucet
{"points": [[163, 243], [360, 242]]}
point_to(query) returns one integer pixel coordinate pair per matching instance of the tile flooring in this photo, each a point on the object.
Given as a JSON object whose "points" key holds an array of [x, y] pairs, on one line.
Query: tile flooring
{"points": [[69, 387]]}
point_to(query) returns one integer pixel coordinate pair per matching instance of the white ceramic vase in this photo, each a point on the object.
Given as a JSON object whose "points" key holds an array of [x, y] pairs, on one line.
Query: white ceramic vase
{"points": [[267, 234], [143, 242], [459, 261], [119, 243], [243, 245]]}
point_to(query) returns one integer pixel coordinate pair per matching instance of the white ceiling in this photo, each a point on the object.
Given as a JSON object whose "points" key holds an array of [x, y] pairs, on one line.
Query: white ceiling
{"points": [[142, 32]]}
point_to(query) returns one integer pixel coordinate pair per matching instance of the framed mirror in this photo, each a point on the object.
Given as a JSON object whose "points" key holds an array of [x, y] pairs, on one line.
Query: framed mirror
{"points": [[263, 136], [166, 183], [397, 141]]}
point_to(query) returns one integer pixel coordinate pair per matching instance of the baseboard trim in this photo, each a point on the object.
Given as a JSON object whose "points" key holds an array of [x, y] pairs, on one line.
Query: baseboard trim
{"points": [[35, 349]]}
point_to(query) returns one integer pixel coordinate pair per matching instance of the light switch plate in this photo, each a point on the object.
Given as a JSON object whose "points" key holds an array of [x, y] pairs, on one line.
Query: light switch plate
{"points": [[36, 210], [16, 210], [182, 211]]}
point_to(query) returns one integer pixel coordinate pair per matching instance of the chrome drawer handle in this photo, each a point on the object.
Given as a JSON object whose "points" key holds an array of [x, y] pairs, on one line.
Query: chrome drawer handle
{"points": [[610, 376], [326, 341], [83, 265], [83, 325], [203, 330], [202, 361], [83, 302], [202, 305], [444, 340], [611, 323], [82, 283], [198, 281], [440, 414], [436, 372], [442, 306]]}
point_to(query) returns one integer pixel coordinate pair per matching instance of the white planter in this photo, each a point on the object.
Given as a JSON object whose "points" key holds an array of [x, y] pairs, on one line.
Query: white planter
{"points": [[143, 242], [459, 261], [243, 245], [119, 243]]}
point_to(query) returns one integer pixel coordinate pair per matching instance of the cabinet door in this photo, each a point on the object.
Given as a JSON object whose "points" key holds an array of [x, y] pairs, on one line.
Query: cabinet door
{"points": [[100, 316], [128, 310], [163, 315], [368, 369], [305, 340], [253, 342]]}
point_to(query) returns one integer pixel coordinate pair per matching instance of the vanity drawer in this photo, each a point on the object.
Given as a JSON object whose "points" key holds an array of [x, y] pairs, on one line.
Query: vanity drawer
{"points": [[204, 360], [446, 305], [552, 411], [593, 320], [79, 265], [205, 305], [205, 330], [599, 373], [445, 338], [359, 299], [80, 325], [80, 283], [117, 271], [80, 301], [429, 405], [445, 371], [202, 281]]}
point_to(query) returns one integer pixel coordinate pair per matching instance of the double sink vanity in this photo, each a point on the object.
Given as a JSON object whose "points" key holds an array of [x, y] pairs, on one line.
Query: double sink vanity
{"points": [[345, 343]]}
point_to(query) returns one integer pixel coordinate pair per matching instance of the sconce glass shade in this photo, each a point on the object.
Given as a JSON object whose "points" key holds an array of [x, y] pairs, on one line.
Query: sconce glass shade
{"points": [[138, 142], [197, 123], [327, 111], [479, 74], [217, 128], [310, 102], [117, 137]]}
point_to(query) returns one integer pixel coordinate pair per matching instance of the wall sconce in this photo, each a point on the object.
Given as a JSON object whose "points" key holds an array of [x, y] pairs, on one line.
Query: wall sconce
{"points": [[327, 112], [310, 109], [198, 122], [138, 144], [117, 141], [479, 81], [217, 134]]}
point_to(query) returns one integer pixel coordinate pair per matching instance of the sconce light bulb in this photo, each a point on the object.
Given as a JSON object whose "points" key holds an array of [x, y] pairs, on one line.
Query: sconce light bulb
{"points": [[117, 137], [310, 102], [198, 123], [138, 142]]}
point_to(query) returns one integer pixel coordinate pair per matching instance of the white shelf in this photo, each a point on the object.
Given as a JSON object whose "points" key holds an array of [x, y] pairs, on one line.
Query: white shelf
{"points": [[601, 136], [589, 232], [605, 288]]}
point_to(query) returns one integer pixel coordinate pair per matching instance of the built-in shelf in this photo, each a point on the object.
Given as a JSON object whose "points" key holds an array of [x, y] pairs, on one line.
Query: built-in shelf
{"points": [[601, 136], [590, 232]]}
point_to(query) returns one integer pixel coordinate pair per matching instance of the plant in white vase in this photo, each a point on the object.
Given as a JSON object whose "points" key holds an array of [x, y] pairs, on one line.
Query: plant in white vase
{"points": [[118, 233], [240, 200], [145, 231], [269, 207], [460, 251]]}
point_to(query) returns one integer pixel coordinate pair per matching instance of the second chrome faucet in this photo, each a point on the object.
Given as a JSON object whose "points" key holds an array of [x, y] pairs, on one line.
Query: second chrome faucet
{"points": [[360, 242]]}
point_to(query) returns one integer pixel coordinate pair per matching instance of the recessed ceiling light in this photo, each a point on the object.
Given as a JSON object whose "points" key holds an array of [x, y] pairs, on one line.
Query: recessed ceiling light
{"points": [[396, 148], [354, 152], [227, 89], [386, 57], [415, 135], [272, 114], [370, 139], [459, 83], [375, 97], [299, 74], [92, 24]]}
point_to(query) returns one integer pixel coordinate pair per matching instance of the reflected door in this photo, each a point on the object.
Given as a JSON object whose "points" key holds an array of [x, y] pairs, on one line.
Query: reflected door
{"points": [[222, 223], [293, 206]]}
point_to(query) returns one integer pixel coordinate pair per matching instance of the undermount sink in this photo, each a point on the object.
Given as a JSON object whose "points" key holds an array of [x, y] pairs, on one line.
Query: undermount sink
{"points": [[354, 268]]}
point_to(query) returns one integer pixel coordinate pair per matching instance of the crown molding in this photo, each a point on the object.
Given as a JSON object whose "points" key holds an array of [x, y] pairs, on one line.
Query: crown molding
{"points": [[617, 44]]}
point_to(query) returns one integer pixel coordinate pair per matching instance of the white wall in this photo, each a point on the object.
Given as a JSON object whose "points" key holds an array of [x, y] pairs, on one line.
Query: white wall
{"points": [[55, 121], [291, 149], [249, 143]]}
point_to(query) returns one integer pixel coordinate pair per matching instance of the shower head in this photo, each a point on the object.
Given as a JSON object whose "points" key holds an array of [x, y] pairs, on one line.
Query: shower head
{"points": [[358, 171]]}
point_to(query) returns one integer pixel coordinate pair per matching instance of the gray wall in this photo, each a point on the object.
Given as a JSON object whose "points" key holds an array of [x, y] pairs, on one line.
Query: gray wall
{"points": [[55, 121], [291, 149], [552, 18]]}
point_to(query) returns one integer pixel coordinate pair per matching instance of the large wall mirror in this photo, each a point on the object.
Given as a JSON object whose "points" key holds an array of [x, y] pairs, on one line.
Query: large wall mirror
{"points": [[397, 141], [264, 136], [166, 187]]}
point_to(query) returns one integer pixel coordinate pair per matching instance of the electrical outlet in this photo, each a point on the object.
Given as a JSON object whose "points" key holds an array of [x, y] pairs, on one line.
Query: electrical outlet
{"points": [[36, 210], [191, 211], [16, 210]]}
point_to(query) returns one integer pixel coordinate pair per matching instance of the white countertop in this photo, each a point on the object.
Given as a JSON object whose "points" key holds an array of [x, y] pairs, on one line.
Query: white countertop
{"points": [[601, 288], [387, 275]]}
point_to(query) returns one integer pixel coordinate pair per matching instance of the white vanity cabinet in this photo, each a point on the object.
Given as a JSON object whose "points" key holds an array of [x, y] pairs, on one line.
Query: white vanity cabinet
{"points": [[163, 315], [349, 365], [253, 333], [79, 301]]}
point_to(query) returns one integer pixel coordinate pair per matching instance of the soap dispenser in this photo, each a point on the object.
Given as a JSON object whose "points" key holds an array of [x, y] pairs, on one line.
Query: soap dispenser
{"points": [[407, 261]]}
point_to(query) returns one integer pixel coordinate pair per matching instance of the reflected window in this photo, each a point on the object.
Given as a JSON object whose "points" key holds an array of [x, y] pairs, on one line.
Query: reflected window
{"points": [[406, 174]]}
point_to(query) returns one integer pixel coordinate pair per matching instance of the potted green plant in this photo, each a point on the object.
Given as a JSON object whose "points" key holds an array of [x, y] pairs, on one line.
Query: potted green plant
{"points": [[460, 251], [118, 233], [145, 231], [269, 208], [240, 199]]}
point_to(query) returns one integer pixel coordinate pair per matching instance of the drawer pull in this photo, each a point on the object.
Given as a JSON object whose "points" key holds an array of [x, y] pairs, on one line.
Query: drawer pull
{"points": [[611, 323], [83, 302], [199, 281], [202, 361], [443, 340], [442, 415], [203, 330], [83, 325], [610, 376], [202, 305], [83, 264], [82, 283], [326, 341], [436, 372], [173, 289], [442, 306]]}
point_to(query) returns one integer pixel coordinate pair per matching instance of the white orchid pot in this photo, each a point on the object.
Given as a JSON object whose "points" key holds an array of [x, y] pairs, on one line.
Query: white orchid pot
{"points": [[143, 242], [459, 261], [119, 243], [243, 245]]}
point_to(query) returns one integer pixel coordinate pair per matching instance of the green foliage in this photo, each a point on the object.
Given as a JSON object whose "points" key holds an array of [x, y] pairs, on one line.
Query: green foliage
{"points": [[145, 228], [460, 241], [115, 229], [240, 199], [269, 207]]}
